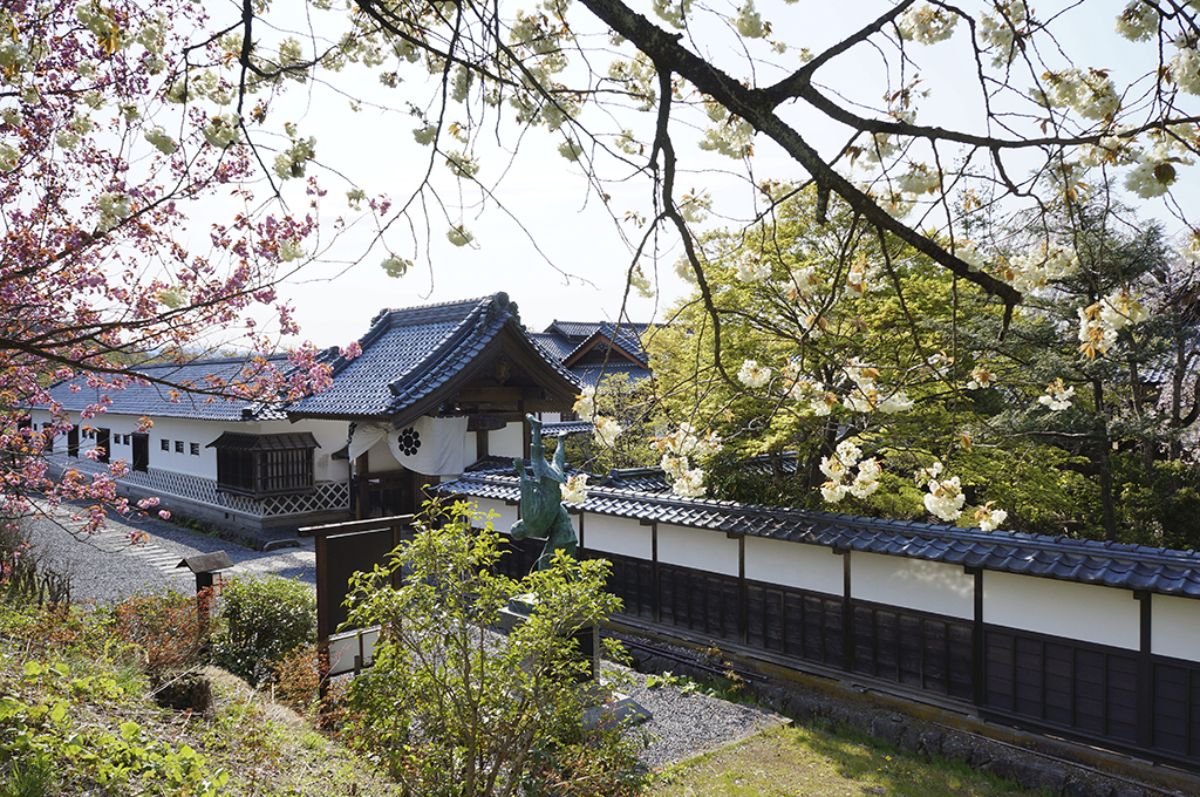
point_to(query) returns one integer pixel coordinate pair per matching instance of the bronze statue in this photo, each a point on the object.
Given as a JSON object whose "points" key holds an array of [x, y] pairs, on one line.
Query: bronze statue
{"points": [[542, 512]]}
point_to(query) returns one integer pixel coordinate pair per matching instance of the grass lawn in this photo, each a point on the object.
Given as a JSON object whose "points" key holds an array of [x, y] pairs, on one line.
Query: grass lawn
{"points": [[795, 761]]}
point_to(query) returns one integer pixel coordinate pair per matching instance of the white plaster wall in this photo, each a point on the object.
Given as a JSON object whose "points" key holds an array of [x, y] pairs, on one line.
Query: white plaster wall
{"points": [[1102, 615], [187, 431], [380, 459], [621, 536], [331, 436], [913, 584], [507, 515], [507, 442], [701, 549], [470, 454], [1175, 627], [792, 564]]}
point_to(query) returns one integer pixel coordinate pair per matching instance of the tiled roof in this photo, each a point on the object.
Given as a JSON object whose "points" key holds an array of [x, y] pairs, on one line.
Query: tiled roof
{"points": [[590, 375], [1107, 564], [622, 336], [573, 329], [564, 428], [409, 354], [156, 400], [557, 345], [644, 480]]}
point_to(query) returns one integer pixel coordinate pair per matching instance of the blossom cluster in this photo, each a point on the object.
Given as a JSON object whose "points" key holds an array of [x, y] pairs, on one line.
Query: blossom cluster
{"points": [[989, 518], [575, 490], [926, 24], [848, 457], [605, 430], [808, 392], [1100, 322], [1058, 396], [753, 375], [945, 497], [866, 396], [680, 451]]}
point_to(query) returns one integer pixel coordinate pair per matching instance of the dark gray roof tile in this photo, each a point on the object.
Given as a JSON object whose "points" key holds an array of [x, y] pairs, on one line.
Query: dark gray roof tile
{"points": [[1085, 561], [409, 354], [143, 397]]}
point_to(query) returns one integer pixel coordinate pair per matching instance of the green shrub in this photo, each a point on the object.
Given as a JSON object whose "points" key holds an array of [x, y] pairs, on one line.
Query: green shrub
{"points": [[264, 619]]}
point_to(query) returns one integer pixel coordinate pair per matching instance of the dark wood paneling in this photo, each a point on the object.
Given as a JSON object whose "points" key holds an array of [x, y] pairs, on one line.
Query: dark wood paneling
{"points": [[1066, 686], [926, 651], [1091, 690]]}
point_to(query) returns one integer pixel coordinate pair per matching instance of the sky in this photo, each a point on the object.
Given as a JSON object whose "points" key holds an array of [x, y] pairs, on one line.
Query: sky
{"points": [[553, 247]]}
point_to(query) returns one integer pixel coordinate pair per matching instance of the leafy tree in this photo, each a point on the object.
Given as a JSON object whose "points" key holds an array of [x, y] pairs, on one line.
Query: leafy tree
{"points": [[1044, 421], [832, 352], [104, 148], [452, 708], [1077, 381], [633, 404]]}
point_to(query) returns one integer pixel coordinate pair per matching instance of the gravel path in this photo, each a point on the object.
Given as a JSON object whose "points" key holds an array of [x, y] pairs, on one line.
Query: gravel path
{"points": [[687, 723], [107, 567]]}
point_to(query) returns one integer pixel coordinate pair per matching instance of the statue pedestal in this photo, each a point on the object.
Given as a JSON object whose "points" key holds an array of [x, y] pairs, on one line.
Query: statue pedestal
{"points": [[518, 611], [606, 707], [611, 708]]}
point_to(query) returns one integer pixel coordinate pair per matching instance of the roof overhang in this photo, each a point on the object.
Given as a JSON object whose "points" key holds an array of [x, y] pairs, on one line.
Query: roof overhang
{"points": [[511, 341], [288, 441]]}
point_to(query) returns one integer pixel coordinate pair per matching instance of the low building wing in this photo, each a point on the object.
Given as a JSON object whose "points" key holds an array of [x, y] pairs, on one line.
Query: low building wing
{"points": [[190, 389]]}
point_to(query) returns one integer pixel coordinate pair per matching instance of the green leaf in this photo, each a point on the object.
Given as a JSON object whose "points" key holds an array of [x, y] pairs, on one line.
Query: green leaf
{"points": [[33, 669], [130, 730]]}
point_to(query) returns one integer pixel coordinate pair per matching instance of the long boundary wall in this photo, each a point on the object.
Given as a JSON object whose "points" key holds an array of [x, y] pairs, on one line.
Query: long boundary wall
{"points": [[1118, 667]]}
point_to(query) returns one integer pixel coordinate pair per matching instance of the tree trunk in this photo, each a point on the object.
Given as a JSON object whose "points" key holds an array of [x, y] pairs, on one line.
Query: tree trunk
{"points": [[1104, 463]]}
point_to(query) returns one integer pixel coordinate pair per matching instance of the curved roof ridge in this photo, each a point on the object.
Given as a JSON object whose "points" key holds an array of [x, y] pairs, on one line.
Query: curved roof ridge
{"points": [[449, 342], [389, 318], [228, 360]]}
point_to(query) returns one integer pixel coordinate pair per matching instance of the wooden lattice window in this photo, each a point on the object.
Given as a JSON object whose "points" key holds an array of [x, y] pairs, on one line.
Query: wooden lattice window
{"points": [[260, 465]]}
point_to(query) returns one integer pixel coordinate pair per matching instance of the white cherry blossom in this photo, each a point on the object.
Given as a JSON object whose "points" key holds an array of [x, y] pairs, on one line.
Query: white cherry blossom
{"points": [[753, 375], [926, 24], [606, 430], [945, 498], [576, 489], [1057, 396], [989, 519]]}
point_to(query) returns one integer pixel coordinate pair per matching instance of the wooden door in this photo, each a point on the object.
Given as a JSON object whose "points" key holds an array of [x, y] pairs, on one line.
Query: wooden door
{"points": [[141, 451]]}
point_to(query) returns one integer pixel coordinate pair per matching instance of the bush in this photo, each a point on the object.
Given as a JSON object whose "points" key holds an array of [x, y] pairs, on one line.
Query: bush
{"points": [[450, 707], [265, 619], [167, 629]]}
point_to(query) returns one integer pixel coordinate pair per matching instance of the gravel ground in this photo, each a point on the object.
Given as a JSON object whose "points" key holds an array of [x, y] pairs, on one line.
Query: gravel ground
{"points": [[107, 567], [686, 724]]}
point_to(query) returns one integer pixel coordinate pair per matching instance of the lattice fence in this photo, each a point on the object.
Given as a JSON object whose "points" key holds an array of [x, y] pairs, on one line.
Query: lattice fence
{"points": [[325, 496]]}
